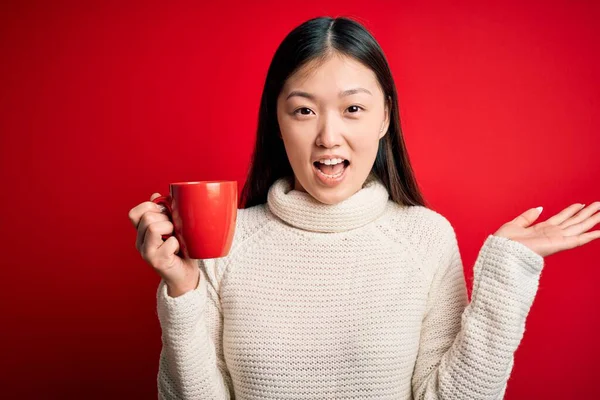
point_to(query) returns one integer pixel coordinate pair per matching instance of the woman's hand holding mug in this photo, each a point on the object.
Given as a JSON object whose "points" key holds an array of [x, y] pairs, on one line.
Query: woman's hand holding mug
{"points": [[195, 221], [180, 274]]}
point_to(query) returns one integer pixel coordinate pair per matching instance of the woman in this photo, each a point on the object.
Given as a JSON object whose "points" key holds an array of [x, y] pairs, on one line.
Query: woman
{"points": [[340, 282]]}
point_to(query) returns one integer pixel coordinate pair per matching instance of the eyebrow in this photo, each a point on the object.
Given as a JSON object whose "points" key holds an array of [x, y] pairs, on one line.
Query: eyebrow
{"points": [[341, 94]]}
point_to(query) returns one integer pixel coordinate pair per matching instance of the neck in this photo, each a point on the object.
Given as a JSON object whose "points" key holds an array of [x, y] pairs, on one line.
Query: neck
{"points": [[301, 210]]}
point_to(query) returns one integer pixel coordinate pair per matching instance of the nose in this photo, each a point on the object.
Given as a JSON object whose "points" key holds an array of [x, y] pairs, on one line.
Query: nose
{"points": [[330, 135]]}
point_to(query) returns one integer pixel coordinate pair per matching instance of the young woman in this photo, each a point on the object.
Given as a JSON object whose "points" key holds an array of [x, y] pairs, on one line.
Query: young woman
{"points": [[340, 282]]}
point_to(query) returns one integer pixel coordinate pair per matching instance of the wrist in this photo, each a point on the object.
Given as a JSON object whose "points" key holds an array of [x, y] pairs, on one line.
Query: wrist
{"points": [[176, 290]]}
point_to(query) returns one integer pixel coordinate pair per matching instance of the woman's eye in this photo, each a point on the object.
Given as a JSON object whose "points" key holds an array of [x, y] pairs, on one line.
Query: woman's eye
{"points": [[302, 108], [354, 109]]}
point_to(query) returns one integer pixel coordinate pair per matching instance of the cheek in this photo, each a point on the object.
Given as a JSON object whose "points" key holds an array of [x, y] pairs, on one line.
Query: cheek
{"points": [[365, 145], [297, 145], [295, 135]]}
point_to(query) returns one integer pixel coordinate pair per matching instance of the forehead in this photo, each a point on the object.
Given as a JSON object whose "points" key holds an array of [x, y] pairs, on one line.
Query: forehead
{"points": [[335, 73]]}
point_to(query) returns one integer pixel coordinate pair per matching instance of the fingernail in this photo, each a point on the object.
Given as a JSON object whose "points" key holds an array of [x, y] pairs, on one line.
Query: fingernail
{"points": [[161, 208], [539, 209]]}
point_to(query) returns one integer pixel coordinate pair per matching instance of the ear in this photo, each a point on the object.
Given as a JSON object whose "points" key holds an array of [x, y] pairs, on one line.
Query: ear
{"points": [[386, 123]]}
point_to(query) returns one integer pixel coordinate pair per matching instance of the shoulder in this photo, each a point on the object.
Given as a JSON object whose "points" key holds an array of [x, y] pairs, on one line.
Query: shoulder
{"points": [[249, 221], [420, 223], [425, 232]]}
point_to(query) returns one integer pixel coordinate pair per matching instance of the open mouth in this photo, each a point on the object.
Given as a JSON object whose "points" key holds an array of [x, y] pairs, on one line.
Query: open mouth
{"points": [[332, 170]]}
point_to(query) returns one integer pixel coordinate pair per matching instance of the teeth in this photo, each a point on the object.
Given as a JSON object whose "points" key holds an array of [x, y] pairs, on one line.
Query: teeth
{"points": [[332, 161]]}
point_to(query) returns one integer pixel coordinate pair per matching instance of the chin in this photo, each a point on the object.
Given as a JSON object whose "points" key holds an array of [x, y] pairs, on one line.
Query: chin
{"points": [[331, 195], [328, 195], [330, 199]]}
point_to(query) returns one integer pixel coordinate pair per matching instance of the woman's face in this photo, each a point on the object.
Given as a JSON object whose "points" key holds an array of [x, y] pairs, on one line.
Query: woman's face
{"points": [[318, 119]]}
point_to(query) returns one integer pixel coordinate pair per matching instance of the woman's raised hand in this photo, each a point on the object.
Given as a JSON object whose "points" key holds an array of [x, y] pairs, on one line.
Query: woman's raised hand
{"points": [[565, 230], [180, 274]]}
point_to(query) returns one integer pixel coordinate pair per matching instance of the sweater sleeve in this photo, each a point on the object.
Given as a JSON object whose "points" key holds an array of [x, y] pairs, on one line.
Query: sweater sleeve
{"points": [[466, 351], [191, 364]]}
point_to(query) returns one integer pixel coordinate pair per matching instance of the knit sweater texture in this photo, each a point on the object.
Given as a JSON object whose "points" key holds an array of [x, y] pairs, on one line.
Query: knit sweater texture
{"points": [[364, 299]]}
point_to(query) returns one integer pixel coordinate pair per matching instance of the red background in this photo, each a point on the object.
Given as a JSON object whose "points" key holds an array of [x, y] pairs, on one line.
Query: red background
{"points": [[104, 103]]}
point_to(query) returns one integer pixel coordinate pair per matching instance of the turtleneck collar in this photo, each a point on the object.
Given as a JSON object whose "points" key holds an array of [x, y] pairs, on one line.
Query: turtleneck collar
{"points": [[303, 211]]}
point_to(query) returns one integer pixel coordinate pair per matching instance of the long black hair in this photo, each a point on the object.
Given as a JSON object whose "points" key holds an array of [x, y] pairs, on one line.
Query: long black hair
{"points": [[316, 39]]}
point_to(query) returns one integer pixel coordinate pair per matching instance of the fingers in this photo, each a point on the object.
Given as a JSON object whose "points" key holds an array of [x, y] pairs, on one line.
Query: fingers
{"points": [[583, 214], [582, 226], [528, 217], [169, 247], [564, 214], [153, 238], [135, 214], [580, 240], [148, 219], [588, 237], [154, 195]]}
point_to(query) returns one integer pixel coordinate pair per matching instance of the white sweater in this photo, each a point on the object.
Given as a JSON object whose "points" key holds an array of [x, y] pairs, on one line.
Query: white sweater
{"points": [[364, 299]]}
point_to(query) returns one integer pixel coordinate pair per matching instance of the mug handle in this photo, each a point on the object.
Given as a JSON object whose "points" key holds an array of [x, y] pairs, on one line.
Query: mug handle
{"points": [[166, 202]]}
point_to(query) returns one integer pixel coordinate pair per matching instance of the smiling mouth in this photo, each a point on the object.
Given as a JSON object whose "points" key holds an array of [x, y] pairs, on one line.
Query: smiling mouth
{"points": [[331, 169]]}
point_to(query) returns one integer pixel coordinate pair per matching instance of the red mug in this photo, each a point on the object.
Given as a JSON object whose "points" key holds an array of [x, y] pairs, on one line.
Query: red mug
{"points": [[203, 214]]}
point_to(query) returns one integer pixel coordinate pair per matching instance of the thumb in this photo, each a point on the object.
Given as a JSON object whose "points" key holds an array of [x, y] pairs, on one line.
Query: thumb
{"points": [[528, 217]]}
